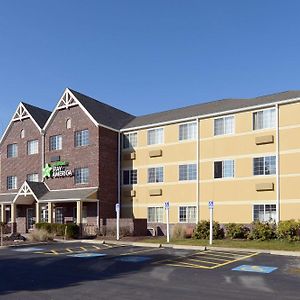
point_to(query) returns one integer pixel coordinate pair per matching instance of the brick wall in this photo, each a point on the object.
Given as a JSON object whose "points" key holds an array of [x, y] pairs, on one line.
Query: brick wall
{"points": [[86, 156], [24, 164]]}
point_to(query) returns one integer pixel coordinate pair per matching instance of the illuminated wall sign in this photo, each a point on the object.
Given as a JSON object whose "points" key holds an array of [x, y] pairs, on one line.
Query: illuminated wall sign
{"points": [[57, 170]]}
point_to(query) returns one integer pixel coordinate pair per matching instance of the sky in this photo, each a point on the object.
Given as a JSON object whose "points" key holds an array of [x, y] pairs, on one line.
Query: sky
{"points": [[146, 56]]}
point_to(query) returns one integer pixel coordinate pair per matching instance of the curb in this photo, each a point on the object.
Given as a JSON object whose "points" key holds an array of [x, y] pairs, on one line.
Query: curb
{"points": [[188, 247], [25, 245]]}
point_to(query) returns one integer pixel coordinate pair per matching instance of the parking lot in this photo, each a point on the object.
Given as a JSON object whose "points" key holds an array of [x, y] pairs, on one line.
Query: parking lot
{"points": [[102, 271]]}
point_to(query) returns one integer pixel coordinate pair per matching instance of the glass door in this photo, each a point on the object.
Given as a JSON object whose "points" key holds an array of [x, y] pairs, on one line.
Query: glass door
{"points": [[30, 218]]}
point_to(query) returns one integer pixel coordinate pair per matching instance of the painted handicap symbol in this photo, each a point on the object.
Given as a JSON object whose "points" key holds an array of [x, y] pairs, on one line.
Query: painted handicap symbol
{"points": [[133, 259], [28, 249], [87, 255], [257, 269]]}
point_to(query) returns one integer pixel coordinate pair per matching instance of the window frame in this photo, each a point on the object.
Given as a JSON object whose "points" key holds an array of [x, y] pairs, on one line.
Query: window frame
{"points": [[156, 142], [264, 165], [130, 177], [155, 174], [36, 147], [264, 205], [194, 132], [263, 111], [156, 219], [129, 144], [59, 136], [32, 174], [13, 187], [188, 172], [81, 140], [188, 220], [223, 169], [81, 176], [224, 125], [13, 153]]}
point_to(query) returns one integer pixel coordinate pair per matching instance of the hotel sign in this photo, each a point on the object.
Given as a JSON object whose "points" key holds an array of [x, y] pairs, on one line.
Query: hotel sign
{"points": [[57, 170]]}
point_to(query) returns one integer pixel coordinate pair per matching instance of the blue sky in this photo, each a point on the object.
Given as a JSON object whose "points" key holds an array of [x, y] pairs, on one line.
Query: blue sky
{"points": [[146, 56]]}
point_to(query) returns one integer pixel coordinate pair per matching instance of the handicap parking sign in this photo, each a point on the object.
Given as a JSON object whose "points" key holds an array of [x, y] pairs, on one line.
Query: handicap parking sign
{"points": [[87, 255], [133, 259], [211, 204]]}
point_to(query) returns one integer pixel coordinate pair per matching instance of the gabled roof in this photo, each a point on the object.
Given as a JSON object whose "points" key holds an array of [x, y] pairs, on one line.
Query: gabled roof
{"points": [[103, 113], [208, 108], [39, 115], [24, 110], [99, 113], [38, 188]]}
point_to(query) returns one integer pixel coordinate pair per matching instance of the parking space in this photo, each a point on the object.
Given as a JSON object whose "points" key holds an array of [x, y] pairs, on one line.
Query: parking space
{"points": [[115, 271], [210, 259]]}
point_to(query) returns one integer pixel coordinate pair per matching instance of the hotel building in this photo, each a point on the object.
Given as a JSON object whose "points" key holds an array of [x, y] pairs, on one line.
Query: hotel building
{"points": [[76, 163]]}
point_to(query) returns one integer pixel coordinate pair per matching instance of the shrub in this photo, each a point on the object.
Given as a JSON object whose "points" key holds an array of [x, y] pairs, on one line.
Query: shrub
{"points": [[202, 230], [179, 231], [263, 231], [41, 235], [237, 231], [289, 230], [70, 230]]}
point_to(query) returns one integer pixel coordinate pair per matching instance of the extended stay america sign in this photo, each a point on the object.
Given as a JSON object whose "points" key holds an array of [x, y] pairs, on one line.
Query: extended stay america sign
{"points": [[57, 170]]}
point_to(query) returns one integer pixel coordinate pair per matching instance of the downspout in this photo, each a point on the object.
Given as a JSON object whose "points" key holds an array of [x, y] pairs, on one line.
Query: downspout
{"points": [[119, 170], [277, 167], [198, 169], [43, 150]]}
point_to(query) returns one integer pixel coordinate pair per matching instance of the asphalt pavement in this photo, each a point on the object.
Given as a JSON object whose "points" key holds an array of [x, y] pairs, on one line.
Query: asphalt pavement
{"points": [[108, 271]]}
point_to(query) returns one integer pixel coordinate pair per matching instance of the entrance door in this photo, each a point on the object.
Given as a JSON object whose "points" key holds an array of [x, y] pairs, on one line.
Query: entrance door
{"points": [[30, 218]]}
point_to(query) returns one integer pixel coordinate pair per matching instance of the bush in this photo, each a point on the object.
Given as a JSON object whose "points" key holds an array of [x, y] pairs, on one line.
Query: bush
{"points": [[289, 230], [237, 231], [41, 235], [179, 231], [263, 231], [70, 230], [202, 230]]}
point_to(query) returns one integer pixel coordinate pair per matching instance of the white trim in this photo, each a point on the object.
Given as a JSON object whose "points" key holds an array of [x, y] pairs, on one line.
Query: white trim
{"points": [[264, 204], [233, 111], [13, 119], [74, 189], [76, 102], [277, 167], [25, 190], [223, 117], [68, 200]]}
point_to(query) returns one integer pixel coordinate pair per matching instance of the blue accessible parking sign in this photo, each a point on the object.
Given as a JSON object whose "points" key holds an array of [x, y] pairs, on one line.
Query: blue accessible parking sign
{"points": [[256, 269], [134, 259]]}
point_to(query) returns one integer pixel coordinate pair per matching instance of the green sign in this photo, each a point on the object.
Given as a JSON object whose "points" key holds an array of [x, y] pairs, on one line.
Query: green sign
{"points": [[57, 170]]}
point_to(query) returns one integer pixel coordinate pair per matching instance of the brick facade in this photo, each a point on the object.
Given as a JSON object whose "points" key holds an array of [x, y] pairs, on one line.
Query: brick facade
{"points": [[23, 164]]}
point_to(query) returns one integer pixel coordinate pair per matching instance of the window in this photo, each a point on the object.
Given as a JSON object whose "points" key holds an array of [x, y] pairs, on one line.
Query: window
{"points": [[264, 119], [187, 131], [129, 177], [32, 147], [68, 124], [55, 142], [82, 138], [264, 212], [59, 215], [188, 172], [44, 215], [22, 134], [11, 182], [264, 165], [130, 140], [224, 125], [33, 177], [155, 174], [187, 214], [81, 175], [224, 169], [155, 214], [12, 150], [155, 136]]}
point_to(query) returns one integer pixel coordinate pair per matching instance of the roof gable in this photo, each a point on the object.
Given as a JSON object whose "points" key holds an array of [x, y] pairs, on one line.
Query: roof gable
{"points": [[24, 111], [98, 112]]}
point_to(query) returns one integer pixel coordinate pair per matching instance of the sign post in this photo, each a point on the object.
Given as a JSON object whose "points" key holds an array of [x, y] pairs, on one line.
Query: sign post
{"points": [[118, 220], [167, 208], [211, 209]]}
